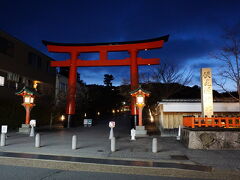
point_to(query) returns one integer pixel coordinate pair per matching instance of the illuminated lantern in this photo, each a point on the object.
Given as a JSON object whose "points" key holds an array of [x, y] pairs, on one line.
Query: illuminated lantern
{"points": [[62, 118], [28, 101], [140, 95]]}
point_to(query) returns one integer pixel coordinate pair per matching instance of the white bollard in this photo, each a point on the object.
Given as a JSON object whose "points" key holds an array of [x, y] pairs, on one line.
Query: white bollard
{"points": [[154, 145], [32, 133], [74, 142], [37, 140], [133, 134], [3, 139], [113, 144], [179, 133], [111, 135]]}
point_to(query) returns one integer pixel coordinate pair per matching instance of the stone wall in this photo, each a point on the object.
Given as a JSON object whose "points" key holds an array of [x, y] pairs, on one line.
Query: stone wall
{"points": [[213, 140]]}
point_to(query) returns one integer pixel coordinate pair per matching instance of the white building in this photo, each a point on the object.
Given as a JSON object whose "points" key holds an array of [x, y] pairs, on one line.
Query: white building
{"points": [[61, 88]]}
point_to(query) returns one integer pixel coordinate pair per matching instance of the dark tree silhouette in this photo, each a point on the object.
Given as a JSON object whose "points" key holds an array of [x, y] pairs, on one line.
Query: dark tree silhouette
{"points": [[108, 80]]}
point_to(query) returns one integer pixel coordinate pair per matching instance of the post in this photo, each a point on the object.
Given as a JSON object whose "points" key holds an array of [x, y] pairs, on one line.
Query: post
{"points": [[133, 76], [179, 133], [154, 145], [113, 144], [37, 140], [27, 120], [133, 134], [3, 139], [32, 131], [69, 120], [51, 120], [111, 135], [74, 142], [72, 84], [140, 123], [135, 116]]}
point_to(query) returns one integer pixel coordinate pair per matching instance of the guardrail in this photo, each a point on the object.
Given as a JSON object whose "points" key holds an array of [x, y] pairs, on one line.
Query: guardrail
{"points": [[226, 122]]}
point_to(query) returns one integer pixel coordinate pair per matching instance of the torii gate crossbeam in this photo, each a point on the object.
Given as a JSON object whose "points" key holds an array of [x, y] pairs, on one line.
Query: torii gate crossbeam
{"points": [[103, 48]]}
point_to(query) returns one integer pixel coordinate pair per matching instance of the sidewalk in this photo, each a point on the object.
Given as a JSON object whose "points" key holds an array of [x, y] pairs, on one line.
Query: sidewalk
{"points": [[93, 142]]}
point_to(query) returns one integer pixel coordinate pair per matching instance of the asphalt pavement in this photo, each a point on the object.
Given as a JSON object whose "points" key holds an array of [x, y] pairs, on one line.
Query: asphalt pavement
{"points": [[29, 173]]}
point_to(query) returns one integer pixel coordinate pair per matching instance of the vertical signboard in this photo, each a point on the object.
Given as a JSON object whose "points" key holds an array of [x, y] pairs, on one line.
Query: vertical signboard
{"points": [[206, 92]]}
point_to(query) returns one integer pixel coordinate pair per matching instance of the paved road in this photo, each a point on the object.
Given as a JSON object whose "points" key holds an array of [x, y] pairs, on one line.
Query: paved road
{"points": [[27, 173], [93, 142]]}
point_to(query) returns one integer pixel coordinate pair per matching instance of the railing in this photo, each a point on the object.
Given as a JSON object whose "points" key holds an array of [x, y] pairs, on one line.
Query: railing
{"points": [[226, 122]]}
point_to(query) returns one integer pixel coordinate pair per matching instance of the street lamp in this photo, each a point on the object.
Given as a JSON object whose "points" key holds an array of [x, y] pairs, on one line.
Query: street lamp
{"points": [[140, 95], [28, 101], [62, 118]]}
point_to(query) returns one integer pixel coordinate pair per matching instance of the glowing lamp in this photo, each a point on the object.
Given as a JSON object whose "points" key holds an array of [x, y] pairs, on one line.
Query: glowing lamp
{"points": [[140, 95], [62, 118], [140, 100], [28, 101], [35, 84]]}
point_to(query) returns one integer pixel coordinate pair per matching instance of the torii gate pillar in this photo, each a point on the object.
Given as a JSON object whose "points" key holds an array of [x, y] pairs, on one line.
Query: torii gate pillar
{"points": [[134, 82], [72, 83]]}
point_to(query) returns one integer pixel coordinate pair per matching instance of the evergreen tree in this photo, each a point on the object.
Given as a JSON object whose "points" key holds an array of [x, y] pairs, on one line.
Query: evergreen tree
{"points": [[108, 80]]}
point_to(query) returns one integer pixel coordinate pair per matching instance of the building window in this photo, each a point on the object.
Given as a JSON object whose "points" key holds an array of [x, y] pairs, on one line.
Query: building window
{"points": [[34, 60], [13, 77], [6, 47], [2, 81], [63, 87], [48, 66]]}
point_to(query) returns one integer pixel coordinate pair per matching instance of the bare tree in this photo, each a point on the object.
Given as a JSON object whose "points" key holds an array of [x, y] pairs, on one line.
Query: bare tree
{"points": [[172, 78], [229, 56], [125, 81], [166, 73], [145, 77]]}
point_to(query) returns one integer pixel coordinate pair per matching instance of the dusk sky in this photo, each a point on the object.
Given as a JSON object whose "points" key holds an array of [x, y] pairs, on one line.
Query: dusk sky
{"points": [[195, 28]]}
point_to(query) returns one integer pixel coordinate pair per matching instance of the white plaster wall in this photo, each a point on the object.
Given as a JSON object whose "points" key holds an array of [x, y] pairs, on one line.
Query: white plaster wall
{"points": [[196, 107], [226, 107]]}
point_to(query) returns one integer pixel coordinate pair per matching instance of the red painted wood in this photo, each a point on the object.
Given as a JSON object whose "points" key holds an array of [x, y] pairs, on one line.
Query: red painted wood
{"points": [[122, 62], [72, 83], [133, 61], [122, 47]]}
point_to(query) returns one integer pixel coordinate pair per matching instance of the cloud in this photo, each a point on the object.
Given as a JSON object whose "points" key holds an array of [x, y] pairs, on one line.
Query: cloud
{"points": [[95, 75], [194, 27]]}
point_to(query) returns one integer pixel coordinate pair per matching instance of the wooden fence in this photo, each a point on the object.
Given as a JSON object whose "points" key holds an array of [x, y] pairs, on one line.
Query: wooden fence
{"points": [[226, 122]]}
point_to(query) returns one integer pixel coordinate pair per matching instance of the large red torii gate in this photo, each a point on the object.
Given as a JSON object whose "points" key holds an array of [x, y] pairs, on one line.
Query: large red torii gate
{"points": [[103, 48]]}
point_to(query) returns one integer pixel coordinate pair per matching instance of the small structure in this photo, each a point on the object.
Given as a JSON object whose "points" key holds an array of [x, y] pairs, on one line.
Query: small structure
{"points": [[140, 95], [170, 112], [133, 134], [111, 125], [28, 103], [33, 125]]}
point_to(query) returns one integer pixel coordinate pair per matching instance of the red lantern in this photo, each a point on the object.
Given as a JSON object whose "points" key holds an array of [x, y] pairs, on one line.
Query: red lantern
{"points": [[140, 95], [28, 101]]}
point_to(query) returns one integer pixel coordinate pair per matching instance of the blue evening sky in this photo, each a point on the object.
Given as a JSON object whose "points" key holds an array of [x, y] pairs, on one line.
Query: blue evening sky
{"points": [[195, 28]]}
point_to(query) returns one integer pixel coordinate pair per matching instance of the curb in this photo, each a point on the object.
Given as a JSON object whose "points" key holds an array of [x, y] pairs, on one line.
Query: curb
{"points": [[120, 169]]}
